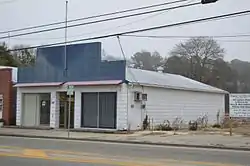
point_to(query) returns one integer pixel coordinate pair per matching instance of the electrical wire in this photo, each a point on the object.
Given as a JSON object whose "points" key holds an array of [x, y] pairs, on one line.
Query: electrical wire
{"points": [[97, 31], [188, 37], [122, 51], [170, 37], [129, 69], [124, 57], [99, 21], [7, 2], [237, 41], [206, 19], [106, 29], [95, 16]]}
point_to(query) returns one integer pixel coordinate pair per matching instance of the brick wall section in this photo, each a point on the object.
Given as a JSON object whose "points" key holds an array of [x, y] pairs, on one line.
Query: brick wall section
{"points": [[6, 88]]}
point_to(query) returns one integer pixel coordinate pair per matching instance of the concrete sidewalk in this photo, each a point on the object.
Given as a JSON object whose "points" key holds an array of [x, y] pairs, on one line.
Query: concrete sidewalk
{"points": [[184, 139]]}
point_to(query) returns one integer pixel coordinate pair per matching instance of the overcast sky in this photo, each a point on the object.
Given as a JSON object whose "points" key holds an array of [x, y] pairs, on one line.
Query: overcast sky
{"points": [[22, 13]]}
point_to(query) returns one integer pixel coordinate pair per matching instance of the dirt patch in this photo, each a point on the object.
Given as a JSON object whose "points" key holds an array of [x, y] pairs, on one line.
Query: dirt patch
{"points": [[153, 134], [245, 131]]}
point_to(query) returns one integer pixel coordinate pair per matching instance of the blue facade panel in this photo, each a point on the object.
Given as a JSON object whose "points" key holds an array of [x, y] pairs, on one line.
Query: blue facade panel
{"points": [[112, 70], [25, 74], [83, 63]]}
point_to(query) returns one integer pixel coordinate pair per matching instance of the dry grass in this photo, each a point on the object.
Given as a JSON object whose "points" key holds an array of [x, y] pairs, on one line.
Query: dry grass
{"points": [[240, 126], [242, 130]]}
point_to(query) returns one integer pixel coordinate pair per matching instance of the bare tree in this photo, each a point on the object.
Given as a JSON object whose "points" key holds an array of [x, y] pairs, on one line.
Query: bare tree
{"points": [[200, 52], [25, 57]]}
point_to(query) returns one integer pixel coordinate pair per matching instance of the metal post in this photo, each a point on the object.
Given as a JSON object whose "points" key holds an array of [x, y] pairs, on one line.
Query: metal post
{"points": [[152, 124], [65, 62], [69, 115], [98, 110], [65, 42], [65, 114], [231, 126]]}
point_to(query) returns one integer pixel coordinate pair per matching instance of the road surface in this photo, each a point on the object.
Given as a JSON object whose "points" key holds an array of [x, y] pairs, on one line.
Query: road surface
{"points": [[45, 152]]}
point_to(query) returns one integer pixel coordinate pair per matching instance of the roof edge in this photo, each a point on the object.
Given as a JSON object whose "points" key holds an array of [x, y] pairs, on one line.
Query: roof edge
{"points": [[75, 83], [89, 83], [219, 91], [21, 85]]}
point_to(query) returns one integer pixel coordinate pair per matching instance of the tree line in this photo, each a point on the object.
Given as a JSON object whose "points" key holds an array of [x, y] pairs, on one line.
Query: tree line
{"points": [[199, 58], [20, 58]]}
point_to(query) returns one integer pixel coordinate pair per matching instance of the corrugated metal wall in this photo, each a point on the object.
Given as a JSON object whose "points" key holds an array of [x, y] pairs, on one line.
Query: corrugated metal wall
{"points": [[83, 64]]}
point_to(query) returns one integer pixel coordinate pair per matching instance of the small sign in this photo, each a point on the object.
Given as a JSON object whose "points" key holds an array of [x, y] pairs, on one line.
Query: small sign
{"points": [[43, 103], [70, 90]]}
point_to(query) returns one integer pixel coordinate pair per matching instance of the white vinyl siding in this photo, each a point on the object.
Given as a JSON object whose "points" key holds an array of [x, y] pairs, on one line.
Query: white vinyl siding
{"points": [[166, 104]]}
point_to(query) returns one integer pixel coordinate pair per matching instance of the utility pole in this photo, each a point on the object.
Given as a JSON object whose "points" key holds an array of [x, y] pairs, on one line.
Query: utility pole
{"points": [[66, 65], [65, 42]]}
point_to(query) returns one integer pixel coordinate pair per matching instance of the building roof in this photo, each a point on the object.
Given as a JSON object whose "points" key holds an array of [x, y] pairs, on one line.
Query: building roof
{"points": [[14, 72], [165, 80]]}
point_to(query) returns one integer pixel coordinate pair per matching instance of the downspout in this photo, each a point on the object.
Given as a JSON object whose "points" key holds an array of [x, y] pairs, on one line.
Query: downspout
{"points": [[127, 104], [143, 110], [128, 127]]}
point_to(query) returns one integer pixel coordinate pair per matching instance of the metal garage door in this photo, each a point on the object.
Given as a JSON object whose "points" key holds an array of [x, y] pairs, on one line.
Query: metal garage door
{"points": [[89, 110], [99, 110]]}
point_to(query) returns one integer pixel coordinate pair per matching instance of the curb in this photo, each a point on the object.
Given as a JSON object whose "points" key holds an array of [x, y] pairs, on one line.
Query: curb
{"points": [[130, 142], [71, 130]]}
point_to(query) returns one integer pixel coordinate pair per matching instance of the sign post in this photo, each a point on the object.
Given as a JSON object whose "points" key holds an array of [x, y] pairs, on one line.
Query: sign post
{"points": [[231, 126], [70, 92]]}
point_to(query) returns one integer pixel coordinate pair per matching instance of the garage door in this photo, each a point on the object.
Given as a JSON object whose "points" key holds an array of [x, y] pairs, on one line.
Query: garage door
{"points": [[99, 110]]}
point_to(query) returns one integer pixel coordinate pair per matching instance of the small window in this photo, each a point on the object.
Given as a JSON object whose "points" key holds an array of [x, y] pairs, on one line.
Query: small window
{"points": [[144, 97]]}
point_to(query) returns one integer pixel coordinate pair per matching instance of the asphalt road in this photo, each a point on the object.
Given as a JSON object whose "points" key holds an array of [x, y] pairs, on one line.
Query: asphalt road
{"points": [[26, 152]]}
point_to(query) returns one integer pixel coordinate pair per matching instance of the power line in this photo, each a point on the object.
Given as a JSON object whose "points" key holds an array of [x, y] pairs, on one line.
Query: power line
{"points": [[237, 41], [106, 29], [7, 2], [103, 20], [95, 16], [167, 37], [188, 37], [102, 30], [124, 57], [122, 51], [206, 19]]}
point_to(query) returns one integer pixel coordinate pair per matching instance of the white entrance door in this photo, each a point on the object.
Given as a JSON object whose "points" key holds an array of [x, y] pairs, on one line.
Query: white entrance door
{"points": [[135, 118], [30, 110]]}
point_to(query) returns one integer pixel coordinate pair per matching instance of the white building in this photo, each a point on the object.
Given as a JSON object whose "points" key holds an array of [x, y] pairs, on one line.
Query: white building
{"points": [[118, 104]]}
